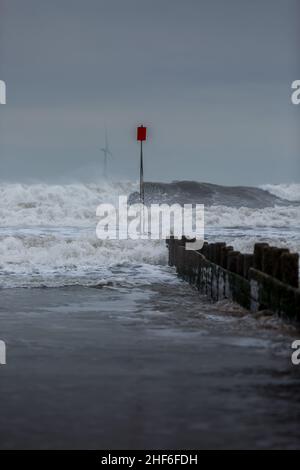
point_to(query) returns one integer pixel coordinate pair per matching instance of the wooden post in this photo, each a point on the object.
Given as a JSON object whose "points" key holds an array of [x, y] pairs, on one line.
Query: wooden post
{"points": [[248, 263], [258, 255], [224, 255], [232, 261], [289, 263], [268, 255]]}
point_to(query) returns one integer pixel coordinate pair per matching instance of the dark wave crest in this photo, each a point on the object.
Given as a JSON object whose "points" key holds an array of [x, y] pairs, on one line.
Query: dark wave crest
{"points": [[188, 192]]}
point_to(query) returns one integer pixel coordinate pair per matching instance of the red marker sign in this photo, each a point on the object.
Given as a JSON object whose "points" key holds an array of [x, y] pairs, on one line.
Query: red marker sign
{"points": [[141, 137], [141, 133]]}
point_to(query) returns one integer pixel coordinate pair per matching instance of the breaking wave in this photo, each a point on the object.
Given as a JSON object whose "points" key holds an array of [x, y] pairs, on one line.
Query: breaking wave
{"points": [[56, 205], [289, 192]]}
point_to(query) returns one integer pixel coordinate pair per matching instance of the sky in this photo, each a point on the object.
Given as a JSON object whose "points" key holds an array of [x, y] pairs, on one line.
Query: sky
{"points": [[211, 79]]}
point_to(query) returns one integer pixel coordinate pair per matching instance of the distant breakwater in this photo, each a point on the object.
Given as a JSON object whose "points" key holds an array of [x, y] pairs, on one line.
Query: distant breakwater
{"points": [[268, 279]]}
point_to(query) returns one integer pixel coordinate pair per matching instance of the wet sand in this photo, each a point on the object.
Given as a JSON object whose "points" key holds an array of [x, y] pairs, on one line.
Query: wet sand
{"points": [[152, 367]]}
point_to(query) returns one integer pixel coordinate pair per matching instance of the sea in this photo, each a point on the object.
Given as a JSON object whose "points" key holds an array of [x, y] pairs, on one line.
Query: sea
{"points": [[48, 234]]}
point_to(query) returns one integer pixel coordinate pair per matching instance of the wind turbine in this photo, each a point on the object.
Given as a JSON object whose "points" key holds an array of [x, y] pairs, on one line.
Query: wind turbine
{"points": [[106, 151]]}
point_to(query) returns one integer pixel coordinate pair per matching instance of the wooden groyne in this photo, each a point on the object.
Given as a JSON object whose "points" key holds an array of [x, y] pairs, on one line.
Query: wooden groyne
{"points": [[268, 279]]}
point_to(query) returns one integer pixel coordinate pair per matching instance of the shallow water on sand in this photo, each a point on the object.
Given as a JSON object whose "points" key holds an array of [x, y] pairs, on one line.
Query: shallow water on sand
{"points": [[143, 366]]}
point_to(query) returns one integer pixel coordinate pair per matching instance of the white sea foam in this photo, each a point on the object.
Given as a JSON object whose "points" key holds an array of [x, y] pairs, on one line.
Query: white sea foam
{"points": [[289, 192], [278, 216], [56, 205], [63, 258], [75, 205]]}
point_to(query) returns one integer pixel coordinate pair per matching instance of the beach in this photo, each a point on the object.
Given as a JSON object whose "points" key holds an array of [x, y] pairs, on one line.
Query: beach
{"points": [[149, 228], [108, 349]]}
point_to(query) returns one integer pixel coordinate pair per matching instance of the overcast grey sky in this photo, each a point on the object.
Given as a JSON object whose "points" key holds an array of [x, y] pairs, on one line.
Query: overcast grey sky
{"points": [[211, 78]]}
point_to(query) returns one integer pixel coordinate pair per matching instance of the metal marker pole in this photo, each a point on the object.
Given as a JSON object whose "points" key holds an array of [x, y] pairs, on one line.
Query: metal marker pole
{"points": [[142, 198], [142, 176]]}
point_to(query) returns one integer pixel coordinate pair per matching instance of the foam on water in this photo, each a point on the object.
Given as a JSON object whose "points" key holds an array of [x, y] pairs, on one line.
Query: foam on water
{"points": [[81, 258], [290, 192], [56, 205]]}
